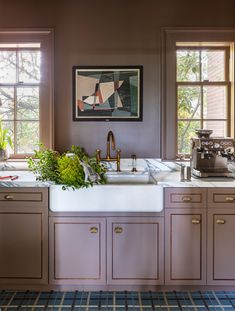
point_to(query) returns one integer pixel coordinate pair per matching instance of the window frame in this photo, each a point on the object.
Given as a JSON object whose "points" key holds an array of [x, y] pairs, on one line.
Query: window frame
{"points": [[46, 84], [169, 39]]}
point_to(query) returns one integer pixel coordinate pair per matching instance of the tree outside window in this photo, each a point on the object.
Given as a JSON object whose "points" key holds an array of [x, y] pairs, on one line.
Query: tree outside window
{"points": [[20, 95]]}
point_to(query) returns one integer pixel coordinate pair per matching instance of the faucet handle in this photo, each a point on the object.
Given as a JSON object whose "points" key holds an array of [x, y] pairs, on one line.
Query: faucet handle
{"points": [[98, 151], [118, 160], [133, 156]]}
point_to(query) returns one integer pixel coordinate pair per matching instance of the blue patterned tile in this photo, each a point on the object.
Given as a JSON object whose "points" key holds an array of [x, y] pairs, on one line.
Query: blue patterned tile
{"points": [[124, 301]]}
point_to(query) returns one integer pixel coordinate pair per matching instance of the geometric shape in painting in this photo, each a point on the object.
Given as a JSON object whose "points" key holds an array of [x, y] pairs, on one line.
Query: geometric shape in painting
{"points": [[85, 86], [80, 104], [119, 102], [91, 100], [106, 89]]}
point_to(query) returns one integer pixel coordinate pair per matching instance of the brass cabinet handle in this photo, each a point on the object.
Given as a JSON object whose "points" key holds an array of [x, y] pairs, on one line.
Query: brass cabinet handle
{"points": [[196, 221], [220, 221], [118, 229], [186, 199], [93, 230], [8, 197], [229, 199]]}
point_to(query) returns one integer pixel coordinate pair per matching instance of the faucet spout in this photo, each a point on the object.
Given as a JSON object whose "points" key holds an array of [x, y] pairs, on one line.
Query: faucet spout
{"points": [[110, 137], [110, 143]]}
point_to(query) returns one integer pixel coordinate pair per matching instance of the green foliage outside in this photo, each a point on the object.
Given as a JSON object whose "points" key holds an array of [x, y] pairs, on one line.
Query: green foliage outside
{"points": [[49, 165], [5, 137], [188, 98]]}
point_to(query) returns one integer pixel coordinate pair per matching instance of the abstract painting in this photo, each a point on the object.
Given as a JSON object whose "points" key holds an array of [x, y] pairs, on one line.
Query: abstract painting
{"points": [[107, 93]]}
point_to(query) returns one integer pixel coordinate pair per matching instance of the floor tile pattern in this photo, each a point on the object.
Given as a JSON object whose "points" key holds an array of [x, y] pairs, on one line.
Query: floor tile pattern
{"points": [[116, 301]]}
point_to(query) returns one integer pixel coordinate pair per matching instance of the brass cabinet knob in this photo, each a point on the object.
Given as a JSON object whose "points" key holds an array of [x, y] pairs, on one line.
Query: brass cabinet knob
{"points": [[186, 199], [93, 230], [118, 229], [195, 221], [220, 221], [229, 199], [8, 197]]}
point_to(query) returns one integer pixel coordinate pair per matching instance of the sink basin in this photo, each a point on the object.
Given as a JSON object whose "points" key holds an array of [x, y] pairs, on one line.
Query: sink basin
{"points": [[118, 197], [129, 178]]}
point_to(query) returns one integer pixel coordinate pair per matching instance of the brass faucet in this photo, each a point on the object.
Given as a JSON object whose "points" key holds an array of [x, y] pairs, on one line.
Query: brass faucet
{"points": [[108, 158]]}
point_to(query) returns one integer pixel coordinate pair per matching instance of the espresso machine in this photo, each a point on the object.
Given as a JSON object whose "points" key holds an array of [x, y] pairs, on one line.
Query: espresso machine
{"points": [[211, 155]]}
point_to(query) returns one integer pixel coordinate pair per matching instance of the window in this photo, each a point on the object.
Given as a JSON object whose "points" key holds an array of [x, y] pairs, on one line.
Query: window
{"points": [[26, 89], [202, 86], [197, 74]]}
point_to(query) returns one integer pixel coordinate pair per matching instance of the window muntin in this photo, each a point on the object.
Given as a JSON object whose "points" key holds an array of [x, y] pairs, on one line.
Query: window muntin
{"points": [[20, 96], [202, 86]]}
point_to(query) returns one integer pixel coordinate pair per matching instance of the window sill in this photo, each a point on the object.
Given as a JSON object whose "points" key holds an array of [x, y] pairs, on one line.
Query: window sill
{"points": [[14, 165]]}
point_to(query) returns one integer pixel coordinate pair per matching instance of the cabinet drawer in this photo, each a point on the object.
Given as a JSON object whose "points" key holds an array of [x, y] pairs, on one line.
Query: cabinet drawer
{"points": [[185, 197], [23, 197], [221, 197]]}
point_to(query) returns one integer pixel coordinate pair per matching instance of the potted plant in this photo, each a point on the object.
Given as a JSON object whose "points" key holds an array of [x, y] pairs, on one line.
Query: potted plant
{"points": [[5, 140]]}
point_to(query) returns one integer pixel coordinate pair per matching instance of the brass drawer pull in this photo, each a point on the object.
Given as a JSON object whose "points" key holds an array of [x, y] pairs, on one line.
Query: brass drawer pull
{"points": [[118, 230], [8, 197], [196, 221], [186, 199], [93, 230], [220, 221], [229, 199]]}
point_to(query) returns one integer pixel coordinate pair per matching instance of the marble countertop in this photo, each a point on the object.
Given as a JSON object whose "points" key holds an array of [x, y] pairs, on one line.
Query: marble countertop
{"points": [[24, 179], [166, 173]]}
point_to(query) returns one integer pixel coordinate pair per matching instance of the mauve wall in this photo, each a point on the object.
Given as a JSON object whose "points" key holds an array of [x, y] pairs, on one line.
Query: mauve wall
{"points": [[108, 32]]}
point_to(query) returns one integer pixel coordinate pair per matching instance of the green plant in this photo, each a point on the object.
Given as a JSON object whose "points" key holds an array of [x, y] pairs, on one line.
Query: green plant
{"points": [[5, 137], [68, 171]]}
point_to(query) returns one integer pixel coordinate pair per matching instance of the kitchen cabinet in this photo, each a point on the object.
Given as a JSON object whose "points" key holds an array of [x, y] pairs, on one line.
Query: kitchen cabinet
{"points": [[23, 235], [221, 233], [185, 236], [135, 250], [77, 250]]}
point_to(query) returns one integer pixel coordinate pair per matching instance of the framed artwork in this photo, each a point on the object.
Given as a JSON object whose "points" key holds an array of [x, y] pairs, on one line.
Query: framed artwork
{"points": [[107, 93]]}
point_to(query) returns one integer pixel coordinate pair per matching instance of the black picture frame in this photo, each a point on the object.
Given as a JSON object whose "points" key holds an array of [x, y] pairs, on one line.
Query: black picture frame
{"points": [[107, 93]]}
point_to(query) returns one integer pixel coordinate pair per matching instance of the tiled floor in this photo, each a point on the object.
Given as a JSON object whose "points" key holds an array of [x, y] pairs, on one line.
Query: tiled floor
{"points": [[116, 301]]}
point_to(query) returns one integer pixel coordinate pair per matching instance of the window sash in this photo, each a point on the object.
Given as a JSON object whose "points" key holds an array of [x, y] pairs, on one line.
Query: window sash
{"points": [[202, 83]]}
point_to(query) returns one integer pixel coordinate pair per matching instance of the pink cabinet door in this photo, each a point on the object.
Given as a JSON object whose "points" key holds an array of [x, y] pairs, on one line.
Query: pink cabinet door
{"points": [[77, 250], [185, 238], [135, 250], [221, 247], [23, 247]]}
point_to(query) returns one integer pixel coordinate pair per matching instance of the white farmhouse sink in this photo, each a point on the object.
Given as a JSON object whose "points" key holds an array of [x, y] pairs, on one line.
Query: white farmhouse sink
{"points": [[124, 192], [108, 198]]}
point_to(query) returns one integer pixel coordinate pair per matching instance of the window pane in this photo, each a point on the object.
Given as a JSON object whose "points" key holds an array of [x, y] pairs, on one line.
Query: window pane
{"points": [[219, 128], [188, 68], [214, 102], [189, 102], [29, 66], [7, 67], [186, 130], [28, 103], [213, 65], [10, 126], [7, 103], [27, 136]]}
